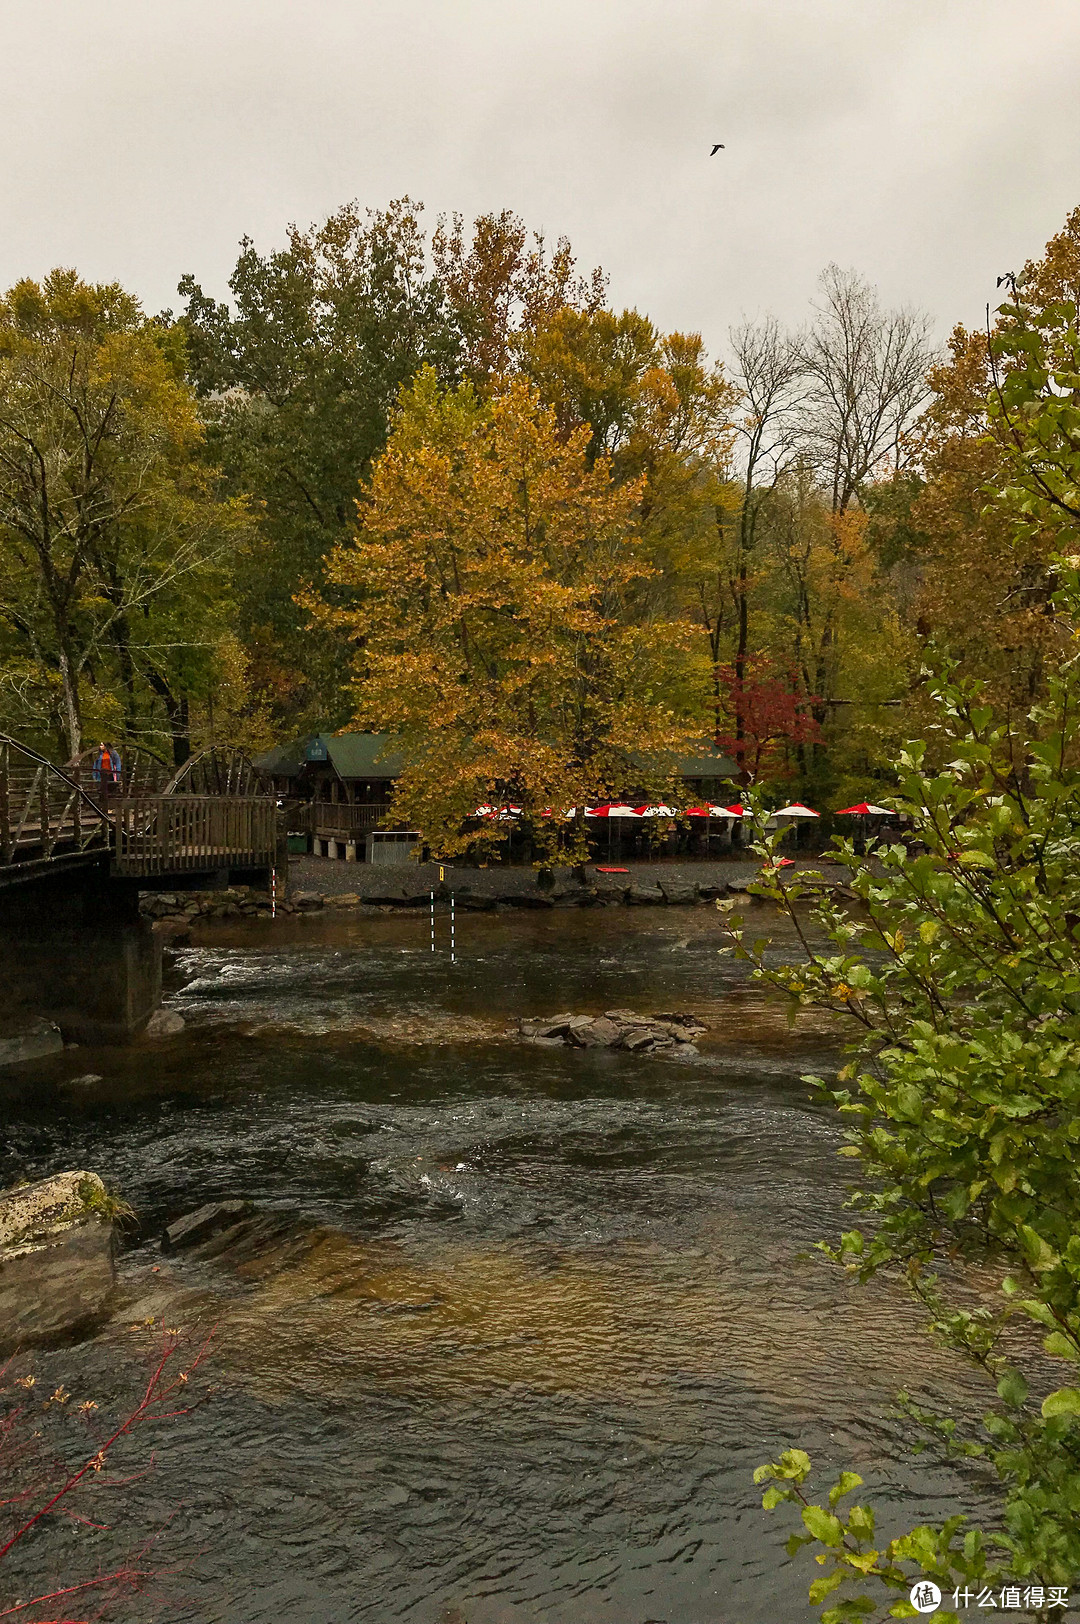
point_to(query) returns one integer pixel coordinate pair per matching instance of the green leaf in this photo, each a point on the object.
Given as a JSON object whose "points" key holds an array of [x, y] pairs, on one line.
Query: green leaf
{"points": [[823, 1525], [909, 1102], [825, 1586], [1066, 1401], [1038, 1253], [1061, 1346], [1012, 1388], [772, 1497], [844, 1485], [861, 1522]]}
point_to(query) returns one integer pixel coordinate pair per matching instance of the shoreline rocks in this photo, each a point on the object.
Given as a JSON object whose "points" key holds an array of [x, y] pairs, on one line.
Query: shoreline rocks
{"points": [[472, 890], [57, 1258], [617, 1029]]}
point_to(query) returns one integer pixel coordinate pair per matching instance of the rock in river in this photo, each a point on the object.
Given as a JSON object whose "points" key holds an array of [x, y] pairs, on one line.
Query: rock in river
{"points": [[56, 1258], [198, 1226], [617, 1029], [164, 1023]]}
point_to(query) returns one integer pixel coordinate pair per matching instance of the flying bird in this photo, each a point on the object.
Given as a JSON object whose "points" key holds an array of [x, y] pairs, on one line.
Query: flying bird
{"points": [[719, 147]]}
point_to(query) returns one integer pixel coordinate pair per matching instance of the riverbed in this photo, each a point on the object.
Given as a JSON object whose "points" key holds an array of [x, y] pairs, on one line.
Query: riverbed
{"points": [[551, 1307]]}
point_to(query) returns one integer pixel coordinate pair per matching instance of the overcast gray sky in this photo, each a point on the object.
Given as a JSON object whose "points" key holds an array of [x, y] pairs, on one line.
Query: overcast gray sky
{"points": [[931, 144]]}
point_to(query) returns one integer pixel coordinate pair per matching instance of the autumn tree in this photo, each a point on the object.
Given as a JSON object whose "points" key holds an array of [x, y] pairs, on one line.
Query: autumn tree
{"points": [[489, 587], [986, 582], [504, 283], [298, 377], [767, 373], [865, 381], [114, 544], [767, 715]]}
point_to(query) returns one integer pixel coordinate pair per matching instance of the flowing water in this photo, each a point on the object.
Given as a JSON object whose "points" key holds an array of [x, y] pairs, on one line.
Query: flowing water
{"points": [[540, 1311]]}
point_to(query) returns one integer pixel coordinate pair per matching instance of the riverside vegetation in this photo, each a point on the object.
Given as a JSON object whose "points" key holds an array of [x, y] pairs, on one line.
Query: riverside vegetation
{"points": [[963, 1093]]}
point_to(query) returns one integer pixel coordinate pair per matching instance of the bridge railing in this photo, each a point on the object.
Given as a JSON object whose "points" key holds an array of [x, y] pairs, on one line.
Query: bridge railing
{"points": [[44, 812], [176, 834]]}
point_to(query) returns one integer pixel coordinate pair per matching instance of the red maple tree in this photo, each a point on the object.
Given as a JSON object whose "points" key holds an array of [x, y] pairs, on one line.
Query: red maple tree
{"points": [[767, 715]]}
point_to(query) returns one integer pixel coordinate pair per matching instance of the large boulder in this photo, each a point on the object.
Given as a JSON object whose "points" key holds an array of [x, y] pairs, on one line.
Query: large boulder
{"points": [[679, 893], [57, 1268], [644, 895]]}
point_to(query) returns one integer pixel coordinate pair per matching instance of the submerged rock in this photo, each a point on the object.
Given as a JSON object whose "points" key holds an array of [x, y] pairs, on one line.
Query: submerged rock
{"points": [[57, 1269], [198, 1226]]}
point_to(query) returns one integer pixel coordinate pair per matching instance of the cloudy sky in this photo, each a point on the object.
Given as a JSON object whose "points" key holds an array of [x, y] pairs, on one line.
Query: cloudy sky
{"points": [[931, 144]]}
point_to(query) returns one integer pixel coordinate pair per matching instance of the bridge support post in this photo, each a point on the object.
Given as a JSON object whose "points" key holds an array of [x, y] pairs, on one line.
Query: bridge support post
{"points": [[75, 951], [350, 851]]}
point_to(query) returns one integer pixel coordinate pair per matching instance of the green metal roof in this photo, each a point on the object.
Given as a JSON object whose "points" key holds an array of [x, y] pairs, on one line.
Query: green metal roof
{"points": [[372, 755], [352, 755], [283, 761], [708, 763], [365, 755]]}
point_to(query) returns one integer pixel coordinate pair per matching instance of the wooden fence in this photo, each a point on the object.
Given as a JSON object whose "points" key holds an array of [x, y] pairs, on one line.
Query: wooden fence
{"points": [[178, 834]]}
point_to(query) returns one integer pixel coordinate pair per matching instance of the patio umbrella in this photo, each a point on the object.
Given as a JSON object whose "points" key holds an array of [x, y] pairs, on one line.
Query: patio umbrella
{"points": [[655, 812], [795, 811], [865, 809]]}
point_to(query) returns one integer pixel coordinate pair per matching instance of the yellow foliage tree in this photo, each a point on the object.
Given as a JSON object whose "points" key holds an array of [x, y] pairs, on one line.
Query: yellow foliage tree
{"points": [[983, 584], [490, 594]]}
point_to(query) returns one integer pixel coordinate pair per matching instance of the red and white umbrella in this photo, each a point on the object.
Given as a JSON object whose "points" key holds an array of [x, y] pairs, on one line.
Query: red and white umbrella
{"points": [[864, 809], [795, 810], [612, 810], [737, 810], [656, 812]]}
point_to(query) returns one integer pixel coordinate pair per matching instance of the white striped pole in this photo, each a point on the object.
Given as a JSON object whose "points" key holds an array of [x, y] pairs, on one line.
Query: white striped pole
{"points": [[452, 955], [433, 921]]}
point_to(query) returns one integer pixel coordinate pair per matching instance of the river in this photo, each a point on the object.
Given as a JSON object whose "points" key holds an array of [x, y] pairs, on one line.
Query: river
{"points": [[552, 1306]]}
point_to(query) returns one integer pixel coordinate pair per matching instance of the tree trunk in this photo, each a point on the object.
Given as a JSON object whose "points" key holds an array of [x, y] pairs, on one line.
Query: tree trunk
{"points": [[71, 718]]}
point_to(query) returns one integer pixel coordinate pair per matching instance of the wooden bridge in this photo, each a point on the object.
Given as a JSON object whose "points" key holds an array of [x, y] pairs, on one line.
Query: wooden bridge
{"points": [[214, 814]]}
